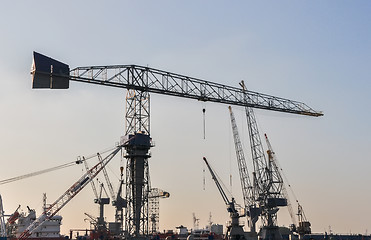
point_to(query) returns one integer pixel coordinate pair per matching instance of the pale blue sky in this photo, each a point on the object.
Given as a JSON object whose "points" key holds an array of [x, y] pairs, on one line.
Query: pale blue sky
{"points": [[317, 52]]}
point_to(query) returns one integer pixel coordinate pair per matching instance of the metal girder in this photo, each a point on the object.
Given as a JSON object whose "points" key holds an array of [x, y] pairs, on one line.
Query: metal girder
{"points": [[152, 80]]}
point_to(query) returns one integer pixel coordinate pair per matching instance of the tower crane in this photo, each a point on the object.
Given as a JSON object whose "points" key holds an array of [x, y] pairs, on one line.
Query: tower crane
{"points": [[251, 207], [267, 182], [140, 82], [154, 197], [234, 229], [70, 193]]}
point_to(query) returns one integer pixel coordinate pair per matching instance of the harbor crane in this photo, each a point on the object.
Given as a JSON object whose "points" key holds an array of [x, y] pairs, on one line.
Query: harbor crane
{"points": [[101, 201], [140, 82], [303, 225], [234, 229], [267, 182], [117, 201], [71, 192], [248, 191]]}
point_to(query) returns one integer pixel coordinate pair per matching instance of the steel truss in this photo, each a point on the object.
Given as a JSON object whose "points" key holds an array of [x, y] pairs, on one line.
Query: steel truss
{"points": [[140, 81], [147, 79]]}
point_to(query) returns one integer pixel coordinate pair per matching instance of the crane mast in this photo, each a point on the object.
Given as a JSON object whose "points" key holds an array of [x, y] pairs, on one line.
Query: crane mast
{"points": [[247, 189], [140, 82]]}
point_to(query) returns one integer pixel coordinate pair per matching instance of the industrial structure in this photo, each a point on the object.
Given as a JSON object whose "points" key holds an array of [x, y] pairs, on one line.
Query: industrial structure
{"points": [[154, 201], [264, 195], [248, 191], [71, 192], [140, 82], [302, 225], [2, 220], [234, 228]]}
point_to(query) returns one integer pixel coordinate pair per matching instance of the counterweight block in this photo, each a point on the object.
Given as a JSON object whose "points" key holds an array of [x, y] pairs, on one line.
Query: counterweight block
{"points": [[49, 73]]}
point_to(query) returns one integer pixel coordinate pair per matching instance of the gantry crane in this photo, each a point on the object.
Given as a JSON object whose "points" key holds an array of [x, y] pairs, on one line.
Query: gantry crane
{"points": [[234, 229], [251, 206], [140, 82]]}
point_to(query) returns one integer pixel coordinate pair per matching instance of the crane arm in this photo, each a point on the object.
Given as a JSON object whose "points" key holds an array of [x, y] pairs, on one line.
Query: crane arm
{"points": [[109, 184], [50, 73], [90, 175], [158, 193], [247, 189], [278, 170], [69, 194], [218, 185]]}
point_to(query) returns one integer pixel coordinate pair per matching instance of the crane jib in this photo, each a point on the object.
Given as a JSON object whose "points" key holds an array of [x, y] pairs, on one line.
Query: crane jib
{"points": [[53, 74]]}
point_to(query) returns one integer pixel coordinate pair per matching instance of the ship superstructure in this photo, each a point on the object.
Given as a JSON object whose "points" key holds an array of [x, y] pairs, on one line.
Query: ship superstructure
{"points": [[50, 229]]}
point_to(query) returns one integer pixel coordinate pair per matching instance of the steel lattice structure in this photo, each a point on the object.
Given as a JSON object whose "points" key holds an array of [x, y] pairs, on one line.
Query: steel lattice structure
{"points": [[154, 207], [248, 191], [140, 81], [69, 194], [147, 79]]}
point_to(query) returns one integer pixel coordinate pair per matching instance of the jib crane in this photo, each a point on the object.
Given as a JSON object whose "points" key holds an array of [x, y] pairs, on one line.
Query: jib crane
{"points": [[267, 182], [70, 193], [117, 201], [251, 207], [234, 229], [303, 226], [139, 82]]}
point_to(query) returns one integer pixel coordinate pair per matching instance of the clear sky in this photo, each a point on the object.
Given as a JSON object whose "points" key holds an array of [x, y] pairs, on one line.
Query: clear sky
{"points": [[317, 52]]}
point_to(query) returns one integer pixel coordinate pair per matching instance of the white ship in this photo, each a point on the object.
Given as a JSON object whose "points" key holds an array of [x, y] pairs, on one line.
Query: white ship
{"points": [[50, 229]]}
